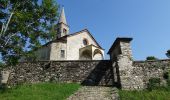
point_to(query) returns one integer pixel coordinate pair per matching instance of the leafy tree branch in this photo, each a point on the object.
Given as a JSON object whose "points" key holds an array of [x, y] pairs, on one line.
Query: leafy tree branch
{"points": [[25, 26]]}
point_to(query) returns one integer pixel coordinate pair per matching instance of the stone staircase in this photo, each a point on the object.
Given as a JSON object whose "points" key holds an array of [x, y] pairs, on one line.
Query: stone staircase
{"points": [[95, 93]]}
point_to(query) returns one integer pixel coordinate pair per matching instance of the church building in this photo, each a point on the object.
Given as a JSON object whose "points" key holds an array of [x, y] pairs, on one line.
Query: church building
{"points": [[80, 45]]}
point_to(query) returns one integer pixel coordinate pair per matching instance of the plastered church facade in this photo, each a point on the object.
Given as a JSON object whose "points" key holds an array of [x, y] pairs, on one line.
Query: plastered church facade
{"points": [[77, 46]]}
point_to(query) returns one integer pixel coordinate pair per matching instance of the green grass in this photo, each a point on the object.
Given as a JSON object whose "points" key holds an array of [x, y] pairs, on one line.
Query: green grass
{"points": [[157, 94], [41, 91]]}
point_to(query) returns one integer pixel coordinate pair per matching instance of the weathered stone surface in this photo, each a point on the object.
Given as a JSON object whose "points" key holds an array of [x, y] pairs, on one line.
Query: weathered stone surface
{"points": [[150, 69], [121, 56], [119, 71], [95, 93], [134, 74], [89, 72], [4, 77], [85, 72]]}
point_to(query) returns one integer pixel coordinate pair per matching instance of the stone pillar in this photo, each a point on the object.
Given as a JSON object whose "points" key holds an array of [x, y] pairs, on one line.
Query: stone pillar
{"points": [[121, 56], [4, 78]]}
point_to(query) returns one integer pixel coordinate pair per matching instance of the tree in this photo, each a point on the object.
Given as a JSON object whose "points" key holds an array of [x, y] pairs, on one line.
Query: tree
{"points": [[151, 58], [25, 26], [2, 64], [168, 53]]}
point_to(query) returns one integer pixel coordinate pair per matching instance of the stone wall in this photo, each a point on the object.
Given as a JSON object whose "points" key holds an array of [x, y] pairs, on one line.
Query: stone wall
{"points": [[102, 72], [119, 71], [84, 72], [121, 57], [150, 69], [131, 74]]}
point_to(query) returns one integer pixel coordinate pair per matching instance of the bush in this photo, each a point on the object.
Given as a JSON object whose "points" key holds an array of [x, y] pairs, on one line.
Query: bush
{"points": [[168, 53], [151, 58], [154, 83], [3, 88], [166, 75], [168, 82]]}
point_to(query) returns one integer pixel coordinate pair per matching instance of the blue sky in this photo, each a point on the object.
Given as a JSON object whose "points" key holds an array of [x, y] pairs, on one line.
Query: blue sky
{"points": [[147, 21]]}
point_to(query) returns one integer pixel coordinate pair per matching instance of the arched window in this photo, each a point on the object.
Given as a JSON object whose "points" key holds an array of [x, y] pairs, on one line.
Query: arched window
{"points": [[85, 42], [64, 31]]}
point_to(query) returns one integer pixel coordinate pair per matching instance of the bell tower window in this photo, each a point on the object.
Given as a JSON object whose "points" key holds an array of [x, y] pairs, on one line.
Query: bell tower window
{"points": [[64, 31]]}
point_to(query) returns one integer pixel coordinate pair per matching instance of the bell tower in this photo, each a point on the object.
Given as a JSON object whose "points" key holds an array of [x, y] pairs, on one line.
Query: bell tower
{"points": [[62, 27]]}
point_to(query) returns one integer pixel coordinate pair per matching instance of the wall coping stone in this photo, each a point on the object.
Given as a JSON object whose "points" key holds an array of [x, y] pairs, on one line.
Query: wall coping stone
{"points": [[143, 61], [127, 39], [64, 61]]}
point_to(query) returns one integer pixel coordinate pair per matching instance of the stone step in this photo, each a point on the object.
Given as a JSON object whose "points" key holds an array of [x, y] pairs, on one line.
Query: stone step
{"points": [[95, 93]]}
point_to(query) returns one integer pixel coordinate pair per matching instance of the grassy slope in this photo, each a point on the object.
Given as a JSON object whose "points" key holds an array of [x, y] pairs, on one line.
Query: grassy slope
{"points": [[42, 91], [159, 94]]}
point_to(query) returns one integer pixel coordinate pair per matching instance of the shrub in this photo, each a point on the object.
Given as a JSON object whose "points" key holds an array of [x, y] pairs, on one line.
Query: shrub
{"points": [[154, 83], [168, 53], [151, 58], [168, 82], [3, 88], [166, 75]]}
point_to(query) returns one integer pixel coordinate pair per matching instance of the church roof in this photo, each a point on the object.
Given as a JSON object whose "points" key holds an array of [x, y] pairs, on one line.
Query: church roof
{"points": [[62, 18], [86, 30], [64, 38]]}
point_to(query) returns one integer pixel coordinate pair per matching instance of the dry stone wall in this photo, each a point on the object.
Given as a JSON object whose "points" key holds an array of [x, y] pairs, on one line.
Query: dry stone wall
{"points": [[120, 70], [88, 72], [150, 69], [131, 74], [84, 72]]}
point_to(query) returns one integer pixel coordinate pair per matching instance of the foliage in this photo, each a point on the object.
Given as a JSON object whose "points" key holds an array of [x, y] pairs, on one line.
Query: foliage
{"points": [[168, 53], [154, 83], [151, 58], [153, 92], [41, 91], [168, 82], [31, 24], [1, 64], [166, 76], [161, 93]]}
